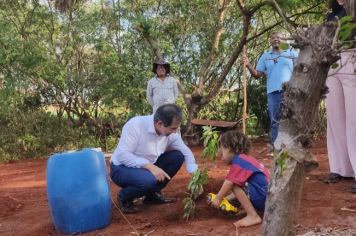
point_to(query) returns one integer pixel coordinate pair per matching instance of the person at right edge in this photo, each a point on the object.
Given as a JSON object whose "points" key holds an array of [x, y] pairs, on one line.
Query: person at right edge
{"points": [[340, 103]]}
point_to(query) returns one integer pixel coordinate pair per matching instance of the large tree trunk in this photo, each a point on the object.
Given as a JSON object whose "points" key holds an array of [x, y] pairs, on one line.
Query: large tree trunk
{"points": [[193, 110], [300, 105]]}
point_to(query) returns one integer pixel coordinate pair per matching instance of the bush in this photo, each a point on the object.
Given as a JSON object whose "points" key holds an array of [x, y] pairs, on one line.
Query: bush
{"points": [[30, 134]]}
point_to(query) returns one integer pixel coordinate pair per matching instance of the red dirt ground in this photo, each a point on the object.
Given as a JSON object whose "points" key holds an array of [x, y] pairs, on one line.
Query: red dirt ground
{"points": [[24, 207]]}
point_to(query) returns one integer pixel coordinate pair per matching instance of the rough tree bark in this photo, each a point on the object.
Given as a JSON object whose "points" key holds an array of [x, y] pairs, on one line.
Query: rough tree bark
{"points": [[300, 105]]}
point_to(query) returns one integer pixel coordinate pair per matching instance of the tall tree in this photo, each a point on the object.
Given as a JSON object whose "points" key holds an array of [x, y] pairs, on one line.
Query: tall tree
{"points": [[299, 108]]}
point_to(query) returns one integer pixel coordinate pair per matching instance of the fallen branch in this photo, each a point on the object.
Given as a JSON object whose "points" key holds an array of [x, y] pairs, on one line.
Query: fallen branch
{"points": [[147, 225], [347, 209], [192, 234], [125, 218], [149, 232]]}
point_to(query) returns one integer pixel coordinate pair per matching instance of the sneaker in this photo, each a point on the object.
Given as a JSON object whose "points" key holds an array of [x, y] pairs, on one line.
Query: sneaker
{"points": [[158, 198], [127, 206]]}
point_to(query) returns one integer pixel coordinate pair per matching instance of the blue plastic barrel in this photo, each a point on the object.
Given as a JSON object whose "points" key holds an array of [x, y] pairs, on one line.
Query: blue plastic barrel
{"points": [[78, 191]]}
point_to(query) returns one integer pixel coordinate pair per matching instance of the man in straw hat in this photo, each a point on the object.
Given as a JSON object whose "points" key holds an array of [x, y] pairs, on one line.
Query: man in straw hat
{"points": [[162, 88]]}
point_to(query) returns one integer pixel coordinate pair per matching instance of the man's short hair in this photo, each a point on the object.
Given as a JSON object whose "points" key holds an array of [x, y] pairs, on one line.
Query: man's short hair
{"points": [[274, 33], [167, 113]]}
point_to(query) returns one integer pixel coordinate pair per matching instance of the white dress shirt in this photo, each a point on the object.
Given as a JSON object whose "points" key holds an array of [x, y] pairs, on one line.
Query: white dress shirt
{"points": [[139, 145]]}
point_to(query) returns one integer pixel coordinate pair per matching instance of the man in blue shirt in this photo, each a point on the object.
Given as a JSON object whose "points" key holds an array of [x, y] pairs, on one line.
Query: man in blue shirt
{"points": [[277, 66], [149, 154]]}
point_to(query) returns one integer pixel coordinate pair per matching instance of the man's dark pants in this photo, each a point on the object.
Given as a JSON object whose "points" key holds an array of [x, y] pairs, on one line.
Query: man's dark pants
{"points": [[139, 182], [274, 100]]}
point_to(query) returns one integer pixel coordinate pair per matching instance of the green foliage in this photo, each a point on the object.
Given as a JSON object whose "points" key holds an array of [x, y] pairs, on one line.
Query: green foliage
{"points": [[290, 4], [211, 142], [347, 26], [200, 178], [189, 208], [284, 46], [111, 143], [228, 106], [36, 134], [195, 187], [281, 161], [335, 65], [72, 63], [93, 64], [257, 106], [225, 106]]}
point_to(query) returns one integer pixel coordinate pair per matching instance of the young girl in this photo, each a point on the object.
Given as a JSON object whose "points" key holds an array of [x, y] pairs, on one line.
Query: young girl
{"points": [[247, 178]]}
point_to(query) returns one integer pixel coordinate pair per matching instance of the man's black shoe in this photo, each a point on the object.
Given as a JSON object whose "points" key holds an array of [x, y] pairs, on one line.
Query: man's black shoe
{"points": [[127, 206], [353, 188], [157, 198], [333, 178]]}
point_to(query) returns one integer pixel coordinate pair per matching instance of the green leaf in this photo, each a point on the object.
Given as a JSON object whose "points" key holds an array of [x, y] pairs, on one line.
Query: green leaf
{"points": [[281, 161], [284, 46], [347, 27], [335, 65], [211, 142], [189, 208]]}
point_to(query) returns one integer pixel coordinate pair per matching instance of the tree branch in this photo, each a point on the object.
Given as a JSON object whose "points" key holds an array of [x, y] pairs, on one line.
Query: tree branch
{"points": [[289, 24], [223, 6], [151, 42], [236, 52]]}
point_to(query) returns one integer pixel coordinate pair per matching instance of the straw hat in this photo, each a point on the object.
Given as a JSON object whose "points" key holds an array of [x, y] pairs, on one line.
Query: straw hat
{"points": [[161, 62]]}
